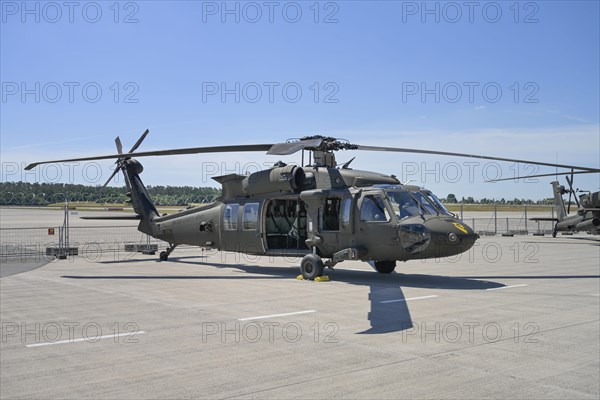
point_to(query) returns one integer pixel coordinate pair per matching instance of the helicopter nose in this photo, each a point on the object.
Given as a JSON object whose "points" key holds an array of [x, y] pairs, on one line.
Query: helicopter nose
{"points": [[451, 236]]}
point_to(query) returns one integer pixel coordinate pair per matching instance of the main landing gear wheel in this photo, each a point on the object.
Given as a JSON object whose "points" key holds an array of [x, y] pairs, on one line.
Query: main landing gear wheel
{"points": [[311, 266], [385, 267]]}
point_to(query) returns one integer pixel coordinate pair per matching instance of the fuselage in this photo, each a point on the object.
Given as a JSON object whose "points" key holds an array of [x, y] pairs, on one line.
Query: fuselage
{"points": [[380, 220]]}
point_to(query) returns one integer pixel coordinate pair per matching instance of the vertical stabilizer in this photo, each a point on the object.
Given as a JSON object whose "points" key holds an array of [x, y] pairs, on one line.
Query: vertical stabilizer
{"points": [[559, 205], [140, 199]]}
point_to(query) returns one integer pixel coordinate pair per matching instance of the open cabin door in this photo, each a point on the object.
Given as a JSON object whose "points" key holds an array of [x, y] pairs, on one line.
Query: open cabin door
{"points": [[285, 225]]}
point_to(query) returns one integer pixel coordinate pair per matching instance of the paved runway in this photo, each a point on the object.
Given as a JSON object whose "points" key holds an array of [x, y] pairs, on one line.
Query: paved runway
{"points": [[515, 317]]}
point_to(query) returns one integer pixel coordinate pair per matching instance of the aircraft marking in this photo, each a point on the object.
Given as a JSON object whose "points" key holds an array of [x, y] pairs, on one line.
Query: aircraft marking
{"points": [[460, 227]]}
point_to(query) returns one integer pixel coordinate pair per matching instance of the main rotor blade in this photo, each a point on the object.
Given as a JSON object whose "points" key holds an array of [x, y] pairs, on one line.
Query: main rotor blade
{"points": [[543, 175], [188, 150], [284, 149], [447, 153], [139, 141]]}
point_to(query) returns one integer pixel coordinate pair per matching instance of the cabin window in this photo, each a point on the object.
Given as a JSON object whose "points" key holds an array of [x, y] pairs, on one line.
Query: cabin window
{"points": [[230, 217], [346, 211], [331, 214], [373, 210], [250, 216]]}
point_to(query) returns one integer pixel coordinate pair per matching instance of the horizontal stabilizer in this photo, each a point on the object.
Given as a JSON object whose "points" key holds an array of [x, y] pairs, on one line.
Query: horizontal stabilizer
{"points": [[117, 217]]}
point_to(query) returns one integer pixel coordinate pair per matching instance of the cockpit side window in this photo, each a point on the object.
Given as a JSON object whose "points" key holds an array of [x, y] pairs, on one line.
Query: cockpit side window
{"points": [[331, 214], [373, 210], [346, 211]]}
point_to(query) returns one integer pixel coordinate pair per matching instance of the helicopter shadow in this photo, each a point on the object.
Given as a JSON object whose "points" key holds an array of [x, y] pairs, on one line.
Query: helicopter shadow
{"points": [[135, 260], [389, 310], [389, 306]]}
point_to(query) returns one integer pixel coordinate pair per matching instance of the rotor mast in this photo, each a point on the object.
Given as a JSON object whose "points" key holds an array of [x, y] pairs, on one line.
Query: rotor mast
{"points": [[323, 149], [324, 158]]}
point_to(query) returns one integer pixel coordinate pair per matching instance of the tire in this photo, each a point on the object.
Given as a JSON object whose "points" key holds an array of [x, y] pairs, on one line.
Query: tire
{"points": [[385, 267], [554, 233], [163, 256], [311, 266]]}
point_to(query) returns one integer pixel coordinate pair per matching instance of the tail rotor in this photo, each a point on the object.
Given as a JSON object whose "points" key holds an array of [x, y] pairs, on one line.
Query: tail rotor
{"points": [[121, 160], [571, 192]]}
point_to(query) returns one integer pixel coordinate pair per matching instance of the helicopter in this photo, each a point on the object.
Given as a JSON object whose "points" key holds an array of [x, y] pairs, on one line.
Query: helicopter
{"points": [[321, 212], [587, 218]]}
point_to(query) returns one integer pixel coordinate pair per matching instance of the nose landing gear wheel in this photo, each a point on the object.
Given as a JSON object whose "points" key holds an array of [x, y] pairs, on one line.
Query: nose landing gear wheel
{"points": [[311, 266]]}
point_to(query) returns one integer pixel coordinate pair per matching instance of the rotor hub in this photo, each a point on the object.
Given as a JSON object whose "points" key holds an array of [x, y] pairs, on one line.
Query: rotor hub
{"points": [[323, 148]]}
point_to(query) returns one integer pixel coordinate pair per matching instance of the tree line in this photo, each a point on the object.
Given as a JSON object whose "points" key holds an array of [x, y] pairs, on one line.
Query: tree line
{"points": [[42, 194], [452, 199]]}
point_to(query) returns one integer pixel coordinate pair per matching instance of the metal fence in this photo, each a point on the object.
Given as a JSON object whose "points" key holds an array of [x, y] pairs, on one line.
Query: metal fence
{"points": [[27, 241], [509, 226], [23, 241]]}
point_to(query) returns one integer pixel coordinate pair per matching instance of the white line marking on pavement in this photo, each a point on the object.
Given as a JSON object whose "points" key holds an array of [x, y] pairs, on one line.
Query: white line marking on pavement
{"points": [[277, 315], [410, 298], [89, 339], [506, 287]]}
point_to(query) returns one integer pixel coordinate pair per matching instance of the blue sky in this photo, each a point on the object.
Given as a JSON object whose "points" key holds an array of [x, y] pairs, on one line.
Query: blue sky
{"points": [[498, 79]]}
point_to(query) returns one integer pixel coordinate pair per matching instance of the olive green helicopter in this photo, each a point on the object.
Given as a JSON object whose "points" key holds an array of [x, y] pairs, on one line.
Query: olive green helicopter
{"points": [[587, 217], [320, 211]]}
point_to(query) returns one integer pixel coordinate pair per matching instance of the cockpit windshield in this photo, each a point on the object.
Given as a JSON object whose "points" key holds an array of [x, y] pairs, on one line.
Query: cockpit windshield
{"points": [[409, 204], [425, 202], [434, 200]]}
